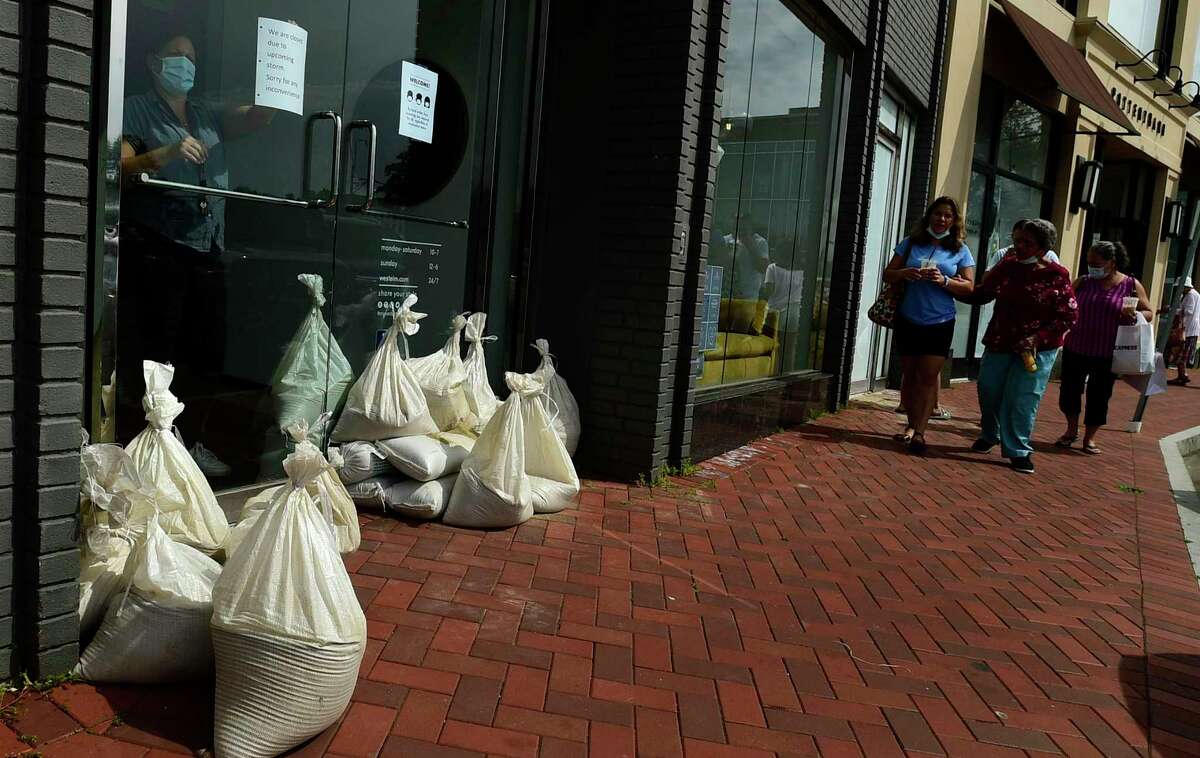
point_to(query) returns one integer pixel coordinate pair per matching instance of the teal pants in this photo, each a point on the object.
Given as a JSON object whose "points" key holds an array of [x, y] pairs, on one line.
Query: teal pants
{"points": [[1009, 397]]}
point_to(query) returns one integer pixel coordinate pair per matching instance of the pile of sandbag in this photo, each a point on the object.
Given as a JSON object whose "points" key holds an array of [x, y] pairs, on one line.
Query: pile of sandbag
{"points": [[442, 377], [287, 628]]}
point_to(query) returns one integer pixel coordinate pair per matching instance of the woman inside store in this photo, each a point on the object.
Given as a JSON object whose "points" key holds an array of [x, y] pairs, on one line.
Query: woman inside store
{"points": [[935, 266], [1035, 308], [1106, 300]]}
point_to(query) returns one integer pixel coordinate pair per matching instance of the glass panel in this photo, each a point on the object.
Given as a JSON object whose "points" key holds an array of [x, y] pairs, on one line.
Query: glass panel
{"points": [[1136, 20], [874, 260], [773, 186], [975, 211], [889, 113], [415, 237], [209, 284], [1024, 142], [985, 123], [1014, 201]]}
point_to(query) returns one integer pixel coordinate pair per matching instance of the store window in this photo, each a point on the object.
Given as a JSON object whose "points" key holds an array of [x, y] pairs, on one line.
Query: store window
{"points": [[1008, 183], [271, 166], [1137, 21], [777, 148]]}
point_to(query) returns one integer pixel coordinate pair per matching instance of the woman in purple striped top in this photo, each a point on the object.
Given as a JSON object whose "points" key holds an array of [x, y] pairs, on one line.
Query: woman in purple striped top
{"points": [[1088, 349]]}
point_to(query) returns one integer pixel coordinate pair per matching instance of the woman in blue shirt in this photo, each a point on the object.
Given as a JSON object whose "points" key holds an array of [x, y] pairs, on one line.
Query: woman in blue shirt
{"points": [[935, 266]]}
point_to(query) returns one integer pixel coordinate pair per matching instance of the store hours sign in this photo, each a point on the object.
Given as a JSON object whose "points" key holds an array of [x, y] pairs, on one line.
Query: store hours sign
{"points": [[406, 267]]}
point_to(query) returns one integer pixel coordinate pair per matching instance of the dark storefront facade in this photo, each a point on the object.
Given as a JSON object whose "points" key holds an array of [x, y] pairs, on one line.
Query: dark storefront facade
{"points": [[678, 195]]}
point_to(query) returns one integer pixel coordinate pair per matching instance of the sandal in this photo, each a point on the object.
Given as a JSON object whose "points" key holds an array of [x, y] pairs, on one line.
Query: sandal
{"points": [[904, 437], [917, 445], [1066, 440], [1091, 449]]}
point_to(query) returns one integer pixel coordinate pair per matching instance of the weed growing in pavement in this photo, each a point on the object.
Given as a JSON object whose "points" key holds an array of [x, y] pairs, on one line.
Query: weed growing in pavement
{"points": [[1129, 489], [45, 684], [29, 739]]}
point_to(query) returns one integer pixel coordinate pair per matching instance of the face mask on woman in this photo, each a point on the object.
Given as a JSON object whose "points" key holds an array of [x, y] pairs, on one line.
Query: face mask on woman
{"points": [[1097, 272], [178, 74], [937, 235], [1030, 260]]}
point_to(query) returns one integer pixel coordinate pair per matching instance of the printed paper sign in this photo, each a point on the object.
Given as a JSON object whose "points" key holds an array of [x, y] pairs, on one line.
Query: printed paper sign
{"points": [[405, 267], [418, 98], [279, 75]]}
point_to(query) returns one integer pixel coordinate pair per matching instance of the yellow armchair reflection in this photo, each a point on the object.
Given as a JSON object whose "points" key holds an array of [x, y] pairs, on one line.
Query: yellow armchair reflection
{"points": [[747, 343]]}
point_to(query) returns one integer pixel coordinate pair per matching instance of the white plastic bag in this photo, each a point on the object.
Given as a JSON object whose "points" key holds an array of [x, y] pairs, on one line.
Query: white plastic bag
{"points": [[156, 629], [313, 375], [356, 461], [287, 628], [397, 494], [190, 510], [428, 457], [558, 401], [1150, 384], [387, 400], [517, 467], [442, 376], [480, 398], [1133, 352]]}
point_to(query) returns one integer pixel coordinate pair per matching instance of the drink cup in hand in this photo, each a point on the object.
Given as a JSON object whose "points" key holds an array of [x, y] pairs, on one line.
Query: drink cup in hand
{"points": [[1129, 306], [929, 270], [1029, 360]]}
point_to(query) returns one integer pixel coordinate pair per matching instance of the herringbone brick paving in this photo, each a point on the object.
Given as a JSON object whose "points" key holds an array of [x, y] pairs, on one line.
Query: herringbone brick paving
{"points": [[819, 593]]}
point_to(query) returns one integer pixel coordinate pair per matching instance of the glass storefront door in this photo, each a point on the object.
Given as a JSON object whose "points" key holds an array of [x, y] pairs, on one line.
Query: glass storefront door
{"points": [[274, 167]]}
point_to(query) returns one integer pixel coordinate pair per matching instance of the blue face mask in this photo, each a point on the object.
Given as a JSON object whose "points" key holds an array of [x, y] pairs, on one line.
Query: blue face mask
{"points": [[178, 74], [1097, 272], [937, 235]]}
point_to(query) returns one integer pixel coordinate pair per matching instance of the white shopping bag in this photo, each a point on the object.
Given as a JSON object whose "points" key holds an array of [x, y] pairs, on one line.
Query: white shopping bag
{"points": [[1133, 352], [1150, 384]]}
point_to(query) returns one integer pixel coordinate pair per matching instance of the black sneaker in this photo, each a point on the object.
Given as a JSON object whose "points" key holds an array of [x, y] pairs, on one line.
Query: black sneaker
{"points": [[982, 446], [1023, 465]]}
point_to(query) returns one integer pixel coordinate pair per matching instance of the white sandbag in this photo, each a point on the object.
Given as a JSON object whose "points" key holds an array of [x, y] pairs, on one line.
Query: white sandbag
{"points": [[398, 494], [558, 401], [101, 565], [111, 491], [287, 628], [356, 461], [387, 400], [190, 511], [313, 376], [518, 464], [428, 457], [157, 631], [442, 377], [480, 398], [329, 492]]}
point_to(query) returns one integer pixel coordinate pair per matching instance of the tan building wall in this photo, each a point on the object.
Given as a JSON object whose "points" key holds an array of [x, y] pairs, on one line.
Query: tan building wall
{"points": [[1104, 48]]}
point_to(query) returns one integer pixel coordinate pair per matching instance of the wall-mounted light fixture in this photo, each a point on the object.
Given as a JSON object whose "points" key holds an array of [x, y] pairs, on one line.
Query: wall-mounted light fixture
{"points": [[1173, 220], [1087, 181], [1193, 103], [1177, 87], [1163, 62]]}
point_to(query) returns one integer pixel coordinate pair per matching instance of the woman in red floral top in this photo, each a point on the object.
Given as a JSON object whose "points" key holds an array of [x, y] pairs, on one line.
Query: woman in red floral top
{"points": [[1035, 308]]}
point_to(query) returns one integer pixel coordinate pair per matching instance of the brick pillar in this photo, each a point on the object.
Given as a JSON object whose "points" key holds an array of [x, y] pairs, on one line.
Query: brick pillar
{"points": [[866, 83], [48, 254]]}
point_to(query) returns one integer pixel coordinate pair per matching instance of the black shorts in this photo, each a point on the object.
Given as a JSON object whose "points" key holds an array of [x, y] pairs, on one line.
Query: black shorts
{"points": [[917, 339]]}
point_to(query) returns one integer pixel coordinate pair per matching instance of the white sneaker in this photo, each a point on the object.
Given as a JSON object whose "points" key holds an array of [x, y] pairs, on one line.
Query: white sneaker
{"points": [[209, 463]]}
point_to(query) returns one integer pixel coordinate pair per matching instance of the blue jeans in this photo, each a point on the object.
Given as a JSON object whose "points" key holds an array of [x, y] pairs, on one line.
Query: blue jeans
{"points": [[1009, 397]]}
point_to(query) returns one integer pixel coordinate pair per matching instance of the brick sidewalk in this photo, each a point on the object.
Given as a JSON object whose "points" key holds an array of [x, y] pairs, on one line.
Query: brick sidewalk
{"points": [[817, 593]]}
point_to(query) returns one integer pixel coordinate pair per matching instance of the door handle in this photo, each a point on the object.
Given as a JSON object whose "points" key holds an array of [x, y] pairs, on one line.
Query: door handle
{"points": [[371, 145], [336, 171]]}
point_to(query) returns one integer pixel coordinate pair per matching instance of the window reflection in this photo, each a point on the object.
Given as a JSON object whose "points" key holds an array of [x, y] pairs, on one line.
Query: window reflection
{"points": [[776, 149]]}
